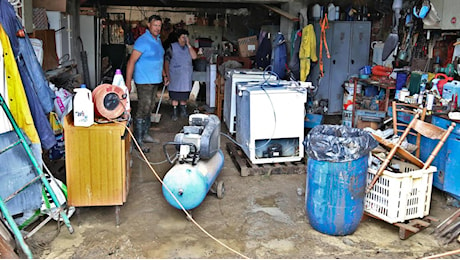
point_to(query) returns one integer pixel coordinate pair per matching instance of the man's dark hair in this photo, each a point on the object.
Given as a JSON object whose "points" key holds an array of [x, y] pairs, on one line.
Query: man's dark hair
{"points": [[154, 17]]}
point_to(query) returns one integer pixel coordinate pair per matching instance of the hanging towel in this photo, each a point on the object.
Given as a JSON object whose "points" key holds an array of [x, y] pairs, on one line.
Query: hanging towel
{"points": [[307, 53]]}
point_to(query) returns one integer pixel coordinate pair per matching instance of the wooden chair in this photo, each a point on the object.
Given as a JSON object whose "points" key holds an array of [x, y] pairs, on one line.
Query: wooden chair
{"points": [[426, 129], [407, 111]]}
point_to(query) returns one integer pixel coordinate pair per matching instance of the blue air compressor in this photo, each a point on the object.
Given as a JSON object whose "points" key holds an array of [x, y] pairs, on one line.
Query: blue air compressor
{"points": [[197, 163]]}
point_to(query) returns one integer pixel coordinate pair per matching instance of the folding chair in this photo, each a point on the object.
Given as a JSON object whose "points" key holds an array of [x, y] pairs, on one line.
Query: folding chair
{"points": [[405, 112], [426, 129]]}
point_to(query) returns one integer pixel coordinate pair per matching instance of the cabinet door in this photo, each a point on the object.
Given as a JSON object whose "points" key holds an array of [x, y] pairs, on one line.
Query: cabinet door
{"points": [[339, 47], [95, 165], [359, 47]]}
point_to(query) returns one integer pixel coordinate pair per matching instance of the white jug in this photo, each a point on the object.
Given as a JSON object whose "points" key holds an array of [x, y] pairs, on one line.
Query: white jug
{"points": [[316, 12], [331, 12], [83, 107], [377, 49]]}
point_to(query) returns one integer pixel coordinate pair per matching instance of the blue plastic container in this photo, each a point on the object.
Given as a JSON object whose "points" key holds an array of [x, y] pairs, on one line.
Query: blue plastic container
{"points": [[334, 198], [312, 120]]}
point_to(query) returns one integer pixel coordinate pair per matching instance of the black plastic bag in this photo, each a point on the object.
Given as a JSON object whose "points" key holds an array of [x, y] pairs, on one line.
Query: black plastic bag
{"points": [[338, 143]]}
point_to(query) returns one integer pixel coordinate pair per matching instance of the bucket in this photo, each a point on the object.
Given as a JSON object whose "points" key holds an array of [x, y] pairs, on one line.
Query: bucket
{"points": [[335, 195], [348, 95]]}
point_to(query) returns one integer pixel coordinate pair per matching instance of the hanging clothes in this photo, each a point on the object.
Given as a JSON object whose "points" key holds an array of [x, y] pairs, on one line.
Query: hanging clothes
{"points": [[307, 53], [279, 56], [264, 51], [294, 62], [39, 95], [23, 49], [5, 125], [17, 99]]}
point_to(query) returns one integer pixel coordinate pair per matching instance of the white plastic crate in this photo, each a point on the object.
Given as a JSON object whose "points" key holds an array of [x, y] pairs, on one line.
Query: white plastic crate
{"points": [[397, 197]]}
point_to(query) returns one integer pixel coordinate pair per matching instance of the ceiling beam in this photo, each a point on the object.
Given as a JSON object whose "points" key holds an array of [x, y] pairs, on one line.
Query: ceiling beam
{"points": [[241, 1], [282, 13]]}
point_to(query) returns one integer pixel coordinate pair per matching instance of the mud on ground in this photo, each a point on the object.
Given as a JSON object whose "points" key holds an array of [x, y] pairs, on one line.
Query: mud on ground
{"points": [[259, 217]]}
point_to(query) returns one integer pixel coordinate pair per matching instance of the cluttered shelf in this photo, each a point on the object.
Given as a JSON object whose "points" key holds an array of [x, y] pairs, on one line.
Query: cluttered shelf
{"points": [[372, 103]]}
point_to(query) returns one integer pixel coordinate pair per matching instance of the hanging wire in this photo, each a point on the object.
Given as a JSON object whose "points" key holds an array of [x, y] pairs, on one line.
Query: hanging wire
{"points": [[189, 216]]}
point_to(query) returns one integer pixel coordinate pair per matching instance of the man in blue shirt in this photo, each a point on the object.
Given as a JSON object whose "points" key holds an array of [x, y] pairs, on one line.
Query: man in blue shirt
{"points": [[145, 65]]}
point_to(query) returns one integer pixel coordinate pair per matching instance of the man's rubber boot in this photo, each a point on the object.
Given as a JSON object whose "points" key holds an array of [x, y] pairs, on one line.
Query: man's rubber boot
{"points": [[138, 134], [146, 137]]}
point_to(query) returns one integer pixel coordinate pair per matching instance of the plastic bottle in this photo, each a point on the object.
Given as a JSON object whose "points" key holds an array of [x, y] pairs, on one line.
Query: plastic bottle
{"points": [[83, 107], [331, 12], [118, 80], [316, 12]]}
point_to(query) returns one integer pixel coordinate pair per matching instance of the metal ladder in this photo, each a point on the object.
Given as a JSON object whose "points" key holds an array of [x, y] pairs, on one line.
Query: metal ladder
{"points": [[40, 177]]}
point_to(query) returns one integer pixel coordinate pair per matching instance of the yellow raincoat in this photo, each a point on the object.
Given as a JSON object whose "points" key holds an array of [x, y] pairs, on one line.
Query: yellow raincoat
{"points": [[17, 99], [307, 52]]}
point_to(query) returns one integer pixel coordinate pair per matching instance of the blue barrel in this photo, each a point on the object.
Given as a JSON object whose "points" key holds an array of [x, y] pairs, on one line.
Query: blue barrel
{"points": [[334, 198]]}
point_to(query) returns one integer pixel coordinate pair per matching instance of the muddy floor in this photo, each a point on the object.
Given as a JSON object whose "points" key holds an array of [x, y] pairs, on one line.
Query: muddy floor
{"points": [[259, 217]]}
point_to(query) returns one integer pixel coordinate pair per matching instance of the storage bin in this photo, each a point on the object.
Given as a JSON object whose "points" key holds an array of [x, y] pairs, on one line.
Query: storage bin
{"points": [[312, 120], [397, 197]]}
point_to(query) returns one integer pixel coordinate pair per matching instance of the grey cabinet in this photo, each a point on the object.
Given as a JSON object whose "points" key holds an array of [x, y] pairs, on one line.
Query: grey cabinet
{"points": [[349, 44]]}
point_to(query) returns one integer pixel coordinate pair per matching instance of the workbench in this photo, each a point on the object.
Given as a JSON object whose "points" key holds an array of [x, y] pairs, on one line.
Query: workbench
{"points": [[446, 178], [386, 84]]}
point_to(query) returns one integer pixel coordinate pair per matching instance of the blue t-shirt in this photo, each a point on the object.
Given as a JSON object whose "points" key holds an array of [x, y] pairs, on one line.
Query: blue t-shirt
{"points": [[148, 68]]}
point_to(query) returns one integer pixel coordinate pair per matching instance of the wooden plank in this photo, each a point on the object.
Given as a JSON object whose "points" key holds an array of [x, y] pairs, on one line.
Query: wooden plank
{"points": [[282, 13], [412, 227], [237, 159], [247, 168]]}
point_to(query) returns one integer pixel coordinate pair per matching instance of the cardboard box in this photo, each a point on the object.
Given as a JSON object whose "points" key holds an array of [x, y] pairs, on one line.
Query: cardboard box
{"points": [[364, 122], [248, 46]]}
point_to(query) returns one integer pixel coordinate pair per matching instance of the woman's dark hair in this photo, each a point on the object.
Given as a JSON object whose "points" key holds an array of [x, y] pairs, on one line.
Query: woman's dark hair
{"points": [[179, 32], [154, 17]]}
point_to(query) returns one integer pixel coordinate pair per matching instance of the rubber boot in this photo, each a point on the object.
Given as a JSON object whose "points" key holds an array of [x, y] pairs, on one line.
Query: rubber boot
{"points": [[183, 110], [138, 134], [146, 137], [174, 115]]}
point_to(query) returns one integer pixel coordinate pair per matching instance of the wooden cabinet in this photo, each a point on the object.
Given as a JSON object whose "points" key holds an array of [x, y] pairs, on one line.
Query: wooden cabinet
{"points": [[98, 162]]}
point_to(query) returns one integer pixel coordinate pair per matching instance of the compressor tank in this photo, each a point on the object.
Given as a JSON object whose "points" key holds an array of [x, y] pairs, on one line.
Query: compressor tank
{"points": [[190, 183]]}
